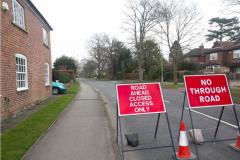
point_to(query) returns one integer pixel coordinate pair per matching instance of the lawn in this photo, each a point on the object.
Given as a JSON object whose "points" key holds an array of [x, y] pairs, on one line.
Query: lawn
{"points": [[16, 141], [235, 91], [171, 85]]}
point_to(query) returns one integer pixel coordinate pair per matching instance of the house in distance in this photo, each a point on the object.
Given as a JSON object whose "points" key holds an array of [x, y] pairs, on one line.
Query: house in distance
{"points": [[223, 57]]}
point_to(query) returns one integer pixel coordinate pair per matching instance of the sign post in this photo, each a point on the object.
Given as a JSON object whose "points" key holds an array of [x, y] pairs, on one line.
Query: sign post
{"points": [[204, 91], [140, 99]]}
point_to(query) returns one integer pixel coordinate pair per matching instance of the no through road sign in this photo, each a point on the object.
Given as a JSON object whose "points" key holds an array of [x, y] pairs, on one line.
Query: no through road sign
{"points": [[207, 91]]}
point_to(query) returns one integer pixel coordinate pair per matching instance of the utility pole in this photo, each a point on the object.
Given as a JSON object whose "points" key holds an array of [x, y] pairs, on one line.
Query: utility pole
{"points": [[161, 62], [161, 55], [162, 68]]}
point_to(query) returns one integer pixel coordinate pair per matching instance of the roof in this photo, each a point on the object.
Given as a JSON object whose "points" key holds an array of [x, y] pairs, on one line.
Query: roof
{"points": [[237, 41], [40, 15], [222, 44], [218, 46], [197, 52]]}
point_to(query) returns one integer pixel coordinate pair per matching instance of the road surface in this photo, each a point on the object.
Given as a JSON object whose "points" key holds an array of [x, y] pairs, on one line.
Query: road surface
{"points": [[145, 125]]}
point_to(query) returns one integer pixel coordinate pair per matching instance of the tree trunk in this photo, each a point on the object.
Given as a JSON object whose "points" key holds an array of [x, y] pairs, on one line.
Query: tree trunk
{"points": [[99, 71], [140, 69], [140, 64], [175, 73], [112, 70], [140, 73]]}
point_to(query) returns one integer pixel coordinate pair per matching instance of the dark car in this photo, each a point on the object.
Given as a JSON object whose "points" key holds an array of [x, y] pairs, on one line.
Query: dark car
{"points": [[58, 88]]}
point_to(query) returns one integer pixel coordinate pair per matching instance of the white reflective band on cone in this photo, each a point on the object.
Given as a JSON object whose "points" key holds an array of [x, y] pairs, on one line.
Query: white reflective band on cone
{"points": [[183, 141]]}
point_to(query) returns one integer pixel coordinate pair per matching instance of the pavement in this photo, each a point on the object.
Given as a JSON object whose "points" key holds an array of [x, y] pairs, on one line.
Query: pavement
{"points": [[81, 132]]}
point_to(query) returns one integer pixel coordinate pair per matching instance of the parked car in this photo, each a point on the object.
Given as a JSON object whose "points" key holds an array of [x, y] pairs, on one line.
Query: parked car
{"points": [[58, 88]]}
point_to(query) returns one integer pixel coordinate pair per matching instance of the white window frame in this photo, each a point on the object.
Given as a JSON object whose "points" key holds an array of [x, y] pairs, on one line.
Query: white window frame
{"points": [[46, 74], [211, 69], [21, 72], [238, 70], [213, 56], [236, 53], [18, 14], [45, 37]]}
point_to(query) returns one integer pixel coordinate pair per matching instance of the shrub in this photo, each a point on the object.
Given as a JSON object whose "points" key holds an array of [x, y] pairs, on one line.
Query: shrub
{"points": [[63, 78]]}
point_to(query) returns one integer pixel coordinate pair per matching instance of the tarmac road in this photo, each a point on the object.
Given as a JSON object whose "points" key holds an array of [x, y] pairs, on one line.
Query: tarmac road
{"points": [[145, 125]]}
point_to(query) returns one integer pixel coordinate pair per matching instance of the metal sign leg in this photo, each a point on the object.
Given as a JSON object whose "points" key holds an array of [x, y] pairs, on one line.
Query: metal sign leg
{"points": [[219, 120], [194, 138], [120, 128], [184, 98], [117, 123], [156, 130], [170, 132]]}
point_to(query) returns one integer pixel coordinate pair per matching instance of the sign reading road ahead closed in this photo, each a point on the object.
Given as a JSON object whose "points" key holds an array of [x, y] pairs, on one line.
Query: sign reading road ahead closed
{"points": [[207, 90], [139, 98]]}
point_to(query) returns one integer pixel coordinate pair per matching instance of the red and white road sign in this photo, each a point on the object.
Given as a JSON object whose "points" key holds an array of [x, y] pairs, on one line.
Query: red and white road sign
{"points": [[139, 98], [207, 90]]}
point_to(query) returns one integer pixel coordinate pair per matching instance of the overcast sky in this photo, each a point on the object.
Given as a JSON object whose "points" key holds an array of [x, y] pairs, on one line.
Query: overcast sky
{"points": [[75, 21]]}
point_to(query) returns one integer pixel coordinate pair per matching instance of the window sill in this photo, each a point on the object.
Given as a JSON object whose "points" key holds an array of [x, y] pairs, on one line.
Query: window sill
{"points": [[208, 72], [21, 89], [46, 45], [19, 27]]}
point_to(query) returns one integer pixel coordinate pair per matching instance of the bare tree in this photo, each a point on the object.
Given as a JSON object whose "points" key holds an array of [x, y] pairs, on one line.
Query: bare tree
{"points": [[112, 46], [178, 23], [103, 50], [234, 2], [140, 20], [98, 51], [88, 68], [166, 14], [233, 6]]}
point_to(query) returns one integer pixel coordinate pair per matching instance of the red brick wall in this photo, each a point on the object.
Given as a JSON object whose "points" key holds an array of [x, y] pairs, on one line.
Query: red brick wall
{"points": [[228, 59], [194, 59], [1, 100], [28, 42], [218, 61]]}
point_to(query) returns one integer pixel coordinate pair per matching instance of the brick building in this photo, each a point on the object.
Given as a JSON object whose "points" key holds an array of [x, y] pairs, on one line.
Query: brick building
{"points": [[223, 57], [25, 59]]}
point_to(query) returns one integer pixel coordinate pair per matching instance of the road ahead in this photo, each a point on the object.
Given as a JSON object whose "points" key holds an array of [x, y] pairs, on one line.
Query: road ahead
{"points": [[145, 125]]}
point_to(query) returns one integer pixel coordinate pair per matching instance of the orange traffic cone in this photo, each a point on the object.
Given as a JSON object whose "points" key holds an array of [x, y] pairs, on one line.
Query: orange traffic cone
{"points": [[236, 145], [183, 148]]}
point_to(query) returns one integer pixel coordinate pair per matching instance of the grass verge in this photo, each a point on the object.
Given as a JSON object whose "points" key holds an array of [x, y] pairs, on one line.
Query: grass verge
{"points": [[235, 91], [16, 141]]}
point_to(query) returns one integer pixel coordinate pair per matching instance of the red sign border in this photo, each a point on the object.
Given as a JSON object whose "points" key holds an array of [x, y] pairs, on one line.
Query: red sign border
{"points": [[210, 105], [140, 113]]}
